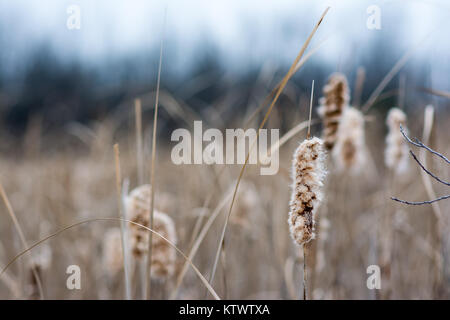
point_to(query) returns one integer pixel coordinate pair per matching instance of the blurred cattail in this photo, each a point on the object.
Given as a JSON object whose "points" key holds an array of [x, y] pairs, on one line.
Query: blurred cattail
{"points": [[308, 173], [349, 152], [335, 100], [163, 255], [138, 210], [396, 153], [112, 254]]}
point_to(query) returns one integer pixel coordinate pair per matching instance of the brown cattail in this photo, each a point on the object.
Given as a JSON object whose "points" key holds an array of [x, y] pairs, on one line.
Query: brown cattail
{"points": [[336, 99], [396, 153], [138, 210], [349, 152], [308, 173]]}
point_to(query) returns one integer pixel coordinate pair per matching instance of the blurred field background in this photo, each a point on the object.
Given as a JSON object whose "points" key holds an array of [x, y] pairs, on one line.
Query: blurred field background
{"points": [[66, 97]]}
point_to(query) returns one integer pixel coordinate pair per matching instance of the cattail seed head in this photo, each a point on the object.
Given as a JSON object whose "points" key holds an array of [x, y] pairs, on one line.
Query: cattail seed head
{"points": [[396, 153], [163, 254], [349, 152], [308, 174], [332, 104], [138, 210]]}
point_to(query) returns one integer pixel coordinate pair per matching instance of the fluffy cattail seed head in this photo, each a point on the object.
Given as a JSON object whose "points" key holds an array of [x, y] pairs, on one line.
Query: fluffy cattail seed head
{"points": [[332, 104], [349, 152], [138, 210], [308, 173], [396, 153], [163, 255]]}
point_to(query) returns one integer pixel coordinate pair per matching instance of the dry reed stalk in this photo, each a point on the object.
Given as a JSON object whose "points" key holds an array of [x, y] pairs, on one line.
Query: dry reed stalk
{"points": [[332, 105], [199, 241], [123, 227], [397, 160], [435, 92], [22, 238], [152, 169], [288, 136], [396, 155], [12, 284], [386, 243], [440, 224], [357, 93], [390, 75], [272, 93], [402, 92], [139, 150], [263, 122], [349, 152]]}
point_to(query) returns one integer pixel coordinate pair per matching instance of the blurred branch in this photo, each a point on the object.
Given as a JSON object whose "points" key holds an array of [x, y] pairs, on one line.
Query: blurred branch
{"points": [[435, 92]]}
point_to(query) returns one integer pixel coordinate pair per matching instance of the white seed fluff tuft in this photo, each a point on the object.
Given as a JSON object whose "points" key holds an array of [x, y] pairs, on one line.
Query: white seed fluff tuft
{"points": [[396, 155]]}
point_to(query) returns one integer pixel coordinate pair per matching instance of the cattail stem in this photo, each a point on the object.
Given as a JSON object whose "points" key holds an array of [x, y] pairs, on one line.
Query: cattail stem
{"points": [[310, 111], [139, 151], [123, 232], [305, 275], [152, 173]]}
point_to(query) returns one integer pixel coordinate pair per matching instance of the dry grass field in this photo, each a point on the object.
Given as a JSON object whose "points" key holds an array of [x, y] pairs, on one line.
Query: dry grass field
{"points": [[55, 180]]}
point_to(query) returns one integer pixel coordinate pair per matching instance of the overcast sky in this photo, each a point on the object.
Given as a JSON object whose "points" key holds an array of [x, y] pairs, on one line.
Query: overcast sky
{"points": [[244, 31]]}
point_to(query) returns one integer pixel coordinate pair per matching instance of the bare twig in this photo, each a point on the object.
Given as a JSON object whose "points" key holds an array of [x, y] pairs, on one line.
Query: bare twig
{"points": [[424, 169], [421, 202], [427, 181], [419, 144]]}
